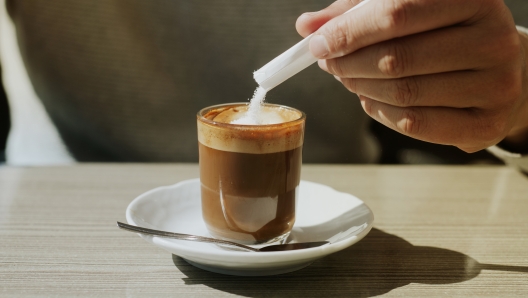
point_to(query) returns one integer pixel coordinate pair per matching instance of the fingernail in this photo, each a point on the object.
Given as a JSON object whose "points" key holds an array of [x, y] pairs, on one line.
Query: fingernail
{"points": [[308, 14], [319, 46], [338, 78], [305, 17]]}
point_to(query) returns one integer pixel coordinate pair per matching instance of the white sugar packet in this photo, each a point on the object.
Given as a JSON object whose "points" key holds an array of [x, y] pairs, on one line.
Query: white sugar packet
{"points": [[289, 63]]}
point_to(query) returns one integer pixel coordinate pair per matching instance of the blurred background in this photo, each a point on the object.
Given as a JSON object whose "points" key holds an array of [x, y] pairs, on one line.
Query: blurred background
{"points": [[34, 136]]}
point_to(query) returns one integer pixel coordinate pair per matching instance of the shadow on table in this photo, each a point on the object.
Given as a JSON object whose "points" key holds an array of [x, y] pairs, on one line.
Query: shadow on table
{"points": [[376, 265]]}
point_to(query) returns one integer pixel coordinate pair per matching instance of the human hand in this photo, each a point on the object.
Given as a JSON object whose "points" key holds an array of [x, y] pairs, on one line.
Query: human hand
{"points": [[444, 71]]}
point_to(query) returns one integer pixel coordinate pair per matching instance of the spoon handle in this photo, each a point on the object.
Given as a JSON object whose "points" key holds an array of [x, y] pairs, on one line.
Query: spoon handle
{"points": [[178, 236]]}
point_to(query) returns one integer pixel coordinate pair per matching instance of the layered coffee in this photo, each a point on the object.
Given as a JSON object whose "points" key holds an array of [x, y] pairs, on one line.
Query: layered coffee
{"points": [[250, 173]]}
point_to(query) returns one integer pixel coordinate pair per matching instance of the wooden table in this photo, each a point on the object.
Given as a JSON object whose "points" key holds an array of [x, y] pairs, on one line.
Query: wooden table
{"points": [[439, 231]]}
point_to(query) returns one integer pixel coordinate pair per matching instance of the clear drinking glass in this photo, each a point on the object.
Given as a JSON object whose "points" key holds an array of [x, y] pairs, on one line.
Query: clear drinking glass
{"points": [[250, 174]]}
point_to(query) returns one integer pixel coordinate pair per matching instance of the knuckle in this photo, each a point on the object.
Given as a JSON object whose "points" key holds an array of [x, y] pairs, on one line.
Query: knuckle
{"points": [[491, 7], [510, 86], [490, 128], [502, 89], [396, 15], [510, 45], [394, 59], [413, 122], [335, 67], [350, 84], [367, 105], [496, 131], [340, 36], [405, 92]]}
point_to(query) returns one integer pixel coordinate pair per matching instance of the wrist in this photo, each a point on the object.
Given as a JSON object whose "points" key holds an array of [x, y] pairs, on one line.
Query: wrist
{"points": [[517, 139]]}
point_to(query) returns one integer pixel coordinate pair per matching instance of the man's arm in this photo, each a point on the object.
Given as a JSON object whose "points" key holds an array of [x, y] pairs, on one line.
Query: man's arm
{"points": [[443, 71]]}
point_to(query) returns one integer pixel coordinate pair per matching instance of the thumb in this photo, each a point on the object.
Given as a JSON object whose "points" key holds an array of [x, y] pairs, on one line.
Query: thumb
{"points": [[309, 22]]}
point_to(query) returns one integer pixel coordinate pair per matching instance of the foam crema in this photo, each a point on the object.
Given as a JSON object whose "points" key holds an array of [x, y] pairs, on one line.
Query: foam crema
{"points": [[274, 129], [266, 115]]}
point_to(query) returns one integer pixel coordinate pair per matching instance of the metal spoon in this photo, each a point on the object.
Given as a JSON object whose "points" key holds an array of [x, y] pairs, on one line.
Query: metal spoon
{"points": [[279, 247]]}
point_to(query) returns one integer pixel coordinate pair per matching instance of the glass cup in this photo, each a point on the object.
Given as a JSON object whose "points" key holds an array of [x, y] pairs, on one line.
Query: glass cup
{"points": [[249, 174]]}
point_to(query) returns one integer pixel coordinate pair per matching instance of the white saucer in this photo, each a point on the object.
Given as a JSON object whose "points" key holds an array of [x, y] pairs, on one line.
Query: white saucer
{"points": [[322, 214]]}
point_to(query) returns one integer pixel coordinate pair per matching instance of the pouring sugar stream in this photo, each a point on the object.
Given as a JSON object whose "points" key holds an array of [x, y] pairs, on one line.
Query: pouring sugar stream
{"points": [[274, 73]]}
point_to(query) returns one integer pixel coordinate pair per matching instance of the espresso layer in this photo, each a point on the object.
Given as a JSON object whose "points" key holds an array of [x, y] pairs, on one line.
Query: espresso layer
{"points": [[249, 197], [215, 133]]}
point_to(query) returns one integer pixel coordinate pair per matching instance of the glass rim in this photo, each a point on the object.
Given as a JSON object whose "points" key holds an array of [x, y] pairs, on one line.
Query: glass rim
{"points": [[202, 112]]}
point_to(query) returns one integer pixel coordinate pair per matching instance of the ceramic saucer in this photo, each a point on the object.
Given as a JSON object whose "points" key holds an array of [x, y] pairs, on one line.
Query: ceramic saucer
{"points": [[322, 214]]}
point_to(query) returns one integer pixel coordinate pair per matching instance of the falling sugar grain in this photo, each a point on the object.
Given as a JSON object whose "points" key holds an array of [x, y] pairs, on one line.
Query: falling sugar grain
{"points": [[252, 116]]}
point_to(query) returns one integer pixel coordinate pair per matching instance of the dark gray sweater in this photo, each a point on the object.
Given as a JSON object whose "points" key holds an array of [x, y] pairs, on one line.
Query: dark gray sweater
{"points": [[123, 79]]}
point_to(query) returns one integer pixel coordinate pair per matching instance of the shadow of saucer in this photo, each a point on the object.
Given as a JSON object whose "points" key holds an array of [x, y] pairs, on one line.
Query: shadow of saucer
{"points": [[376, 265]]}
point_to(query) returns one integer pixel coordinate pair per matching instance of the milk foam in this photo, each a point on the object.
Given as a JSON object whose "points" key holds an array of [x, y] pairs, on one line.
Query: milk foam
{"points": [[266, 115]]}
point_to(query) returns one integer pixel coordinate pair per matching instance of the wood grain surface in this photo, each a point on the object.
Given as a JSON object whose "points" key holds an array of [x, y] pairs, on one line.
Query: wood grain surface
{"points": [[439, 232]]}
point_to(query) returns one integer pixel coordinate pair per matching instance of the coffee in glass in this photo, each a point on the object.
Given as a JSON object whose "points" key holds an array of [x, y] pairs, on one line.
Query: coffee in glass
{"points": [[250, 174]]}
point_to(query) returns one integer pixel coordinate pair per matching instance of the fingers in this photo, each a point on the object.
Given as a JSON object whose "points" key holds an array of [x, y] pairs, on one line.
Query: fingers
{"points": [[309, 22], [419, 54], [441, 71], [461, 89], [463, 128], [382, 20]]}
